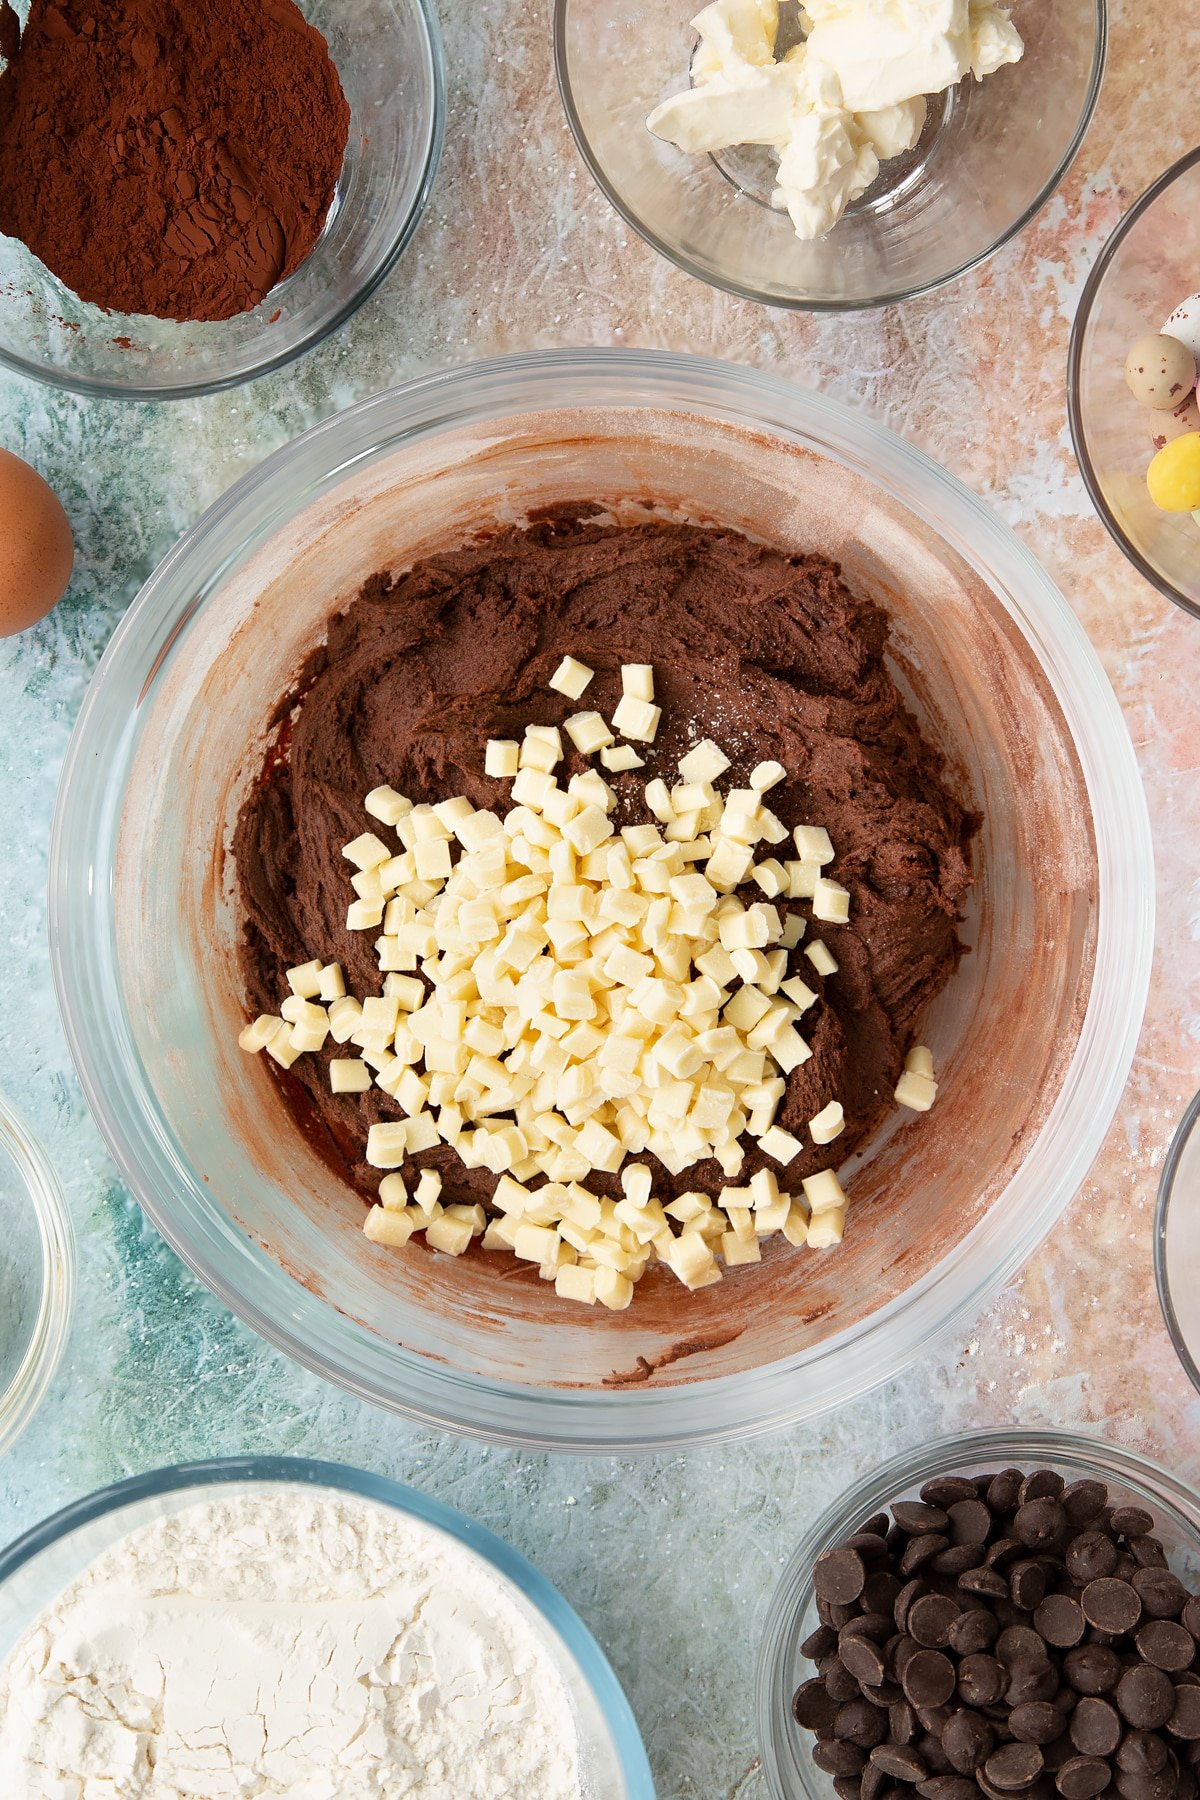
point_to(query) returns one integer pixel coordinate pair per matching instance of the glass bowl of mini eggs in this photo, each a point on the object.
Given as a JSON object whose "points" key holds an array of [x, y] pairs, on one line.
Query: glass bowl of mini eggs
{"points": [[1135, 419]]}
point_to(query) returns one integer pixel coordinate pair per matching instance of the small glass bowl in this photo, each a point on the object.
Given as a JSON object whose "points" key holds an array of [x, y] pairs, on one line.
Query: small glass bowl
{"points": [[1177, 1241], [1148, 266], [35, 1569], [389, 57], [37, 1275], [992, 154], [790, 1771]]}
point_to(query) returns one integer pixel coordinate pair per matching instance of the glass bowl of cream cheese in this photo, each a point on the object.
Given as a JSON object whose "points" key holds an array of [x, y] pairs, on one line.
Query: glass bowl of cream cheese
{"points": [[853, 153]]}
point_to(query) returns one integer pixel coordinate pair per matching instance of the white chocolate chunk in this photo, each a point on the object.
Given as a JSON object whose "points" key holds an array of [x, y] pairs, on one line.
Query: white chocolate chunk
{"points": [[824, 1193], [383, 1225], [451, 1232], [386, 805], [257, 1035], [706, 762], [501, 758], [916, 1092], [780, 1144], [825, 1228], [618, 758], [766, 775], [920, 1060], [588, 732], [571, 677], [636, 718], [812, 844], [821, 957], [637, 680], [367, 851], [305, 980], [829, 1123], [349, 1075], [831, 902], [332, 985], [281, 1048]]}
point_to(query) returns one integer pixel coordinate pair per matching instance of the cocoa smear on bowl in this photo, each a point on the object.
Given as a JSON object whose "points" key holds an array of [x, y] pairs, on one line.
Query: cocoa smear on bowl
{"points": [[165, 159]]}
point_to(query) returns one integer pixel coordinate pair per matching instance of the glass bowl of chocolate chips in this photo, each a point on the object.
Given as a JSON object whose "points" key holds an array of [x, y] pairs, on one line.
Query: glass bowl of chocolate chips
{"points": [[999, 1616]]}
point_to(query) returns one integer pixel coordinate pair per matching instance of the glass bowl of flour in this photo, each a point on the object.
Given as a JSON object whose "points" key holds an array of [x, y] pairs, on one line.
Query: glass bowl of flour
{"points": [[37, 1274], [290, 1627]]}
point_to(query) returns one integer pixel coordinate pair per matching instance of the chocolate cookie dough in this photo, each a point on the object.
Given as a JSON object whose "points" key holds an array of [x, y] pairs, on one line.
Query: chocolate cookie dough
{"points": [[769, 655]]}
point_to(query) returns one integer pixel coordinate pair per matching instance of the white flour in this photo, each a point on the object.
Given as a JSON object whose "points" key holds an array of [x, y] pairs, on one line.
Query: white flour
{"points": [[285, 1643]]}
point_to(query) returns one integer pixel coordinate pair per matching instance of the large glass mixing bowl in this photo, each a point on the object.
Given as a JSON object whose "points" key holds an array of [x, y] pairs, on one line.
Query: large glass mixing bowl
{"points": [[1032, 1038]]}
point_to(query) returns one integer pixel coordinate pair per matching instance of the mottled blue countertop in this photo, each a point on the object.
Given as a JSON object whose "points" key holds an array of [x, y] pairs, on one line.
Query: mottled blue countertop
{"points": [[670, 1560]]}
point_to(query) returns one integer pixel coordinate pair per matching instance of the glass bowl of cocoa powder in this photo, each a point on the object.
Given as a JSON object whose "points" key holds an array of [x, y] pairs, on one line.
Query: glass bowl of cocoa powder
{"points": [[228, 232]]}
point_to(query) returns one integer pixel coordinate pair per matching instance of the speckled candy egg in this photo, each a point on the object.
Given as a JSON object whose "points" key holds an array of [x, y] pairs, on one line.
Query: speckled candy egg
{"points": [[36, 548], [1161, 372], [1174, 476], [1165, 427], [1184, 324]]}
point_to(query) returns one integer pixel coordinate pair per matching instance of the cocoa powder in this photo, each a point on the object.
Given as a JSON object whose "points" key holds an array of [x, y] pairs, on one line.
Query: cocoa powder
{"points": [[170, 157]]}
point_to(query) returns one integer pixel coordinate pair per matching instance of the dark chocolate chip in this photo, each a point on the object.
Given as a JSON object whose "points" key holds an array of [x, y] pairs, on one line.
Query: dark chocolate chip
{"points": [[1190, 1617], [881, 1591], [903, 1724], [912, 1590], [1014, 1767], [870, 1547], [1163, 1595], [900, 1761], [1089, 1557], [1059, 1619], [861, 1723], [920, 1550], [928, 1678], [1166, 1645], [967, 1740], [841, 1684], [1148, 1553], [878, 1525], [1095, 1727], [839, 1576], [1147, 1787], [984, 1581], [931, 1619], [1020, 1645], [981, 1679], [819, 1643], [1131, 1521], [947, 1490], [813, 1707], [864, 1659], [1039, 1522], [975, 1629], [847, 1787], [1083, 1501], [876, 1625], [1111, 1605], [1043, 1484], [1004, 1490], [1032, 1681], [1141, 1753], [917, 1518], [948, 1787], [1184, 1721], [1037, 1722], [837, 1758], [885, 1695], [1027, 1583], [1146, 1697], [970, 1522], [1004, 1552], [958, 1559], [876, 1783], [1083, 1778], [1092, 1669]]}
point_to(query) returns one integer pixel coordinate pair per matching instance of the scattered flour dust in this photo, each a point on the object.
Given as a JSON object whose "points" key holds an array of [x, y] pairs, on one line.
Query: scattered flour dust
{"points": [[282, 1642]]}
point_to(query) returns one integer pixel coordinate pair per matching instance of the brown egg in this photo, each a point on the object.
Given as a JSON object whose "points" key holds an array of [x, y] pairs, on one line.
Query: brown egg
{"points": [[36, 547]]}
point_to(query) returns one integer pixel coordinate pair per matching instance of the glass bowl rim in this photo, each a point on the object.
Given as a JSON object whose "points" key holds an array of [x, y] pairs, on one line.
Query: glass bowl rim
{"points": [[1097, 1455], [1166, 1191], [794, 302], [56, 1301], [1079, 444], [542, 1594], [621, 1420], [94, 387]]}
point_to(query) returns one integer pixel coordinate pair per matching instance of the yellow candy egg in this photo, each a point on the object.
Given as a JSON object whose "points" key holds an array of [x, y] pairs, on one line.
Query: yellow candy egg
{"points": [[1174, 476]]}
